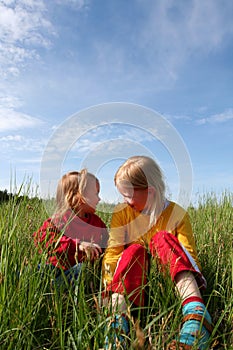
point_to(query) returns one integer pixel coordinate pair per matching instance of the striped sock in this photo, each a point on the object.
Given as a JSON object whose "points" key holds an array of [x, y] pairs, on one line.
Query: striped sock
{"points": [[194, 331]]}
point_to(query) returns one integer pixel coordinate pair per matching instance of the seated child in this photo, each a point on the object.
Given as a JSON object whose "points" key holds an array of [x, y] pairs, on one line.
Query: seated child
{"points": [[74, 233]]}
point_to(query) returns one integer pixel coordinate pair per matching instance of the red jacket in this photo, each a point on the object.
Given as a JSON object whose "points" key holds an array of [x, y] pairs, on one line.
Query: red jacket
{"points": [[60, 238]]}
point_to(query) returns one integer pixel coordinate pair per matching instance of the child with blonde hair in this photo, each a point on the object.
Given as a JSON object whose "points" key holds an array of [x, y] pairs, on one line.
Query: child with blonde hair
{"points": [[148, 221], [74, 233]]}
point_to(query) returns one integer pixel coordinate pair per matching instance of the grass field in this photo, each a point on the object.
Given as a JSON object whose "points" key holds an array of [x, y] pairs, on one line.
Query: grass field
{"points": [[35, 315]]}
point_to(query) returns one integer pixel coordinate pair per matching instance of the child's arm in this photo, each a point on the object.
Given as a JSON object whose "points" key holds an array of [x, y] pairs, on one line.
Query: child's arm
{"points": [[92, 250], [60, 249]]}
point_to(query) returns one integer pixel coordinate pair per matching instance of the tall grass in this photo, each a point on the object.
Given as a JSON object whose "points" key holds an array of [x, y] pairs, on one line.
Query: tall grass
{"points": [[213, 226], [34, 314]]}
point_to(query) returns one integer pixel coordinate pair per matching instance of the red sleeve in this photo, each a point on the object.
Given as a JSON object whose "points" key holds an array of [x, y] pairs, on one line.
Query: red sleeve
{"points": [[61, 250]]}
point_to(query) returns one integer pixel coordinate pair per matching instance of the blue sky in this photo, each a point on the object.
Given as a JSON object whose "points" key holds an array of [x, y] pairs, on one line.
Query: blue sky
{"points": [[58, 58]]}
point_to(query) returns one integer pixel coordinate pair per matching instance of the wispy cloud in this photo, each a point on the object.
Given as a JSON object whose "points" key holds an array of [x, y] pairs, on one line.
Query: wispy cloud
{"points": [[11, 138], [174, 31], [11, 145], [178, 117], [24, 28], [77, 4], [24, 22], [105, 136], [13, 120], [217, 118], [10, 102], [152, 51]]}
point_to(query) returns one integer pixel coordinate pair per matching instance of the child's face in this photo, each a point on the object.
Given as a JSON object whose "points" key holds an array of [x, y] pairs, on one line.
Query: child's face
{"points": [[91, 195], [136, 198]]}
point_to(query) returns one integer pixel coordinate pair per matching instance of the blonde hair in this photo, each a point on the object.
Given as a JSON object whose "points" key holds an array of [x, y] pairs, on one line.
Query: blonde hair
{"points": [[140, 172], [71, 189]]}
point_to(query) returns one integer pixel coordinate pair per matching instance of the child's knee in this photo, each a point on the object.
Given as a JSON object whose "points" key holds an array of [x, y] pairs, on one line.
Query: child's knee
{"points": [[134, 252], [161, 241]]}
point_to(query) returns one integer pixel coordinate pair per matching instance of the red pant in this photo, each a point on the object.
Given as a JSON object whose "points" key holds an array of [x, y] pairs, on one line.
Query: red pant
{"points": [[130, 276]]}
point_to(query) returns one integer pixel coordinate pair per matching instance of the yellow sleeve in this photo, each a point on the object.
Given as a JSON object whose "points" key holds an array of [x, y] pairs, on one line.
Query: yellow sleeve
{"points": [[115, 246]]}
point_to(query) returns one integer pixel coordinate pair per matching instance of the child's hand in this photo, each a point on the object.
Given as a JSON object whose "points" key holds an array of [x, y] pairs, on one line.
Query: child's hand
{"points": [[91, 250]]}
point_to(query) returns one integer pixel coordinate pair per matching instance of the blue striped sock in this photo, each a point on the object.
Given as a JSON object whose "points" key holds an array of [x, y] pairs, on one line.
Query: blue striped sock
{"points": [[193, 331]]}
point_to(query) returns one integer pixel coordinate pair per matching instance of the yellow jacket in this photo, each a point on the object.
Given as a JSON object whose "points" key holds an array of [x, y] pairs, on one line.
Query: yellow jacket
{"points": [[129, 226]]}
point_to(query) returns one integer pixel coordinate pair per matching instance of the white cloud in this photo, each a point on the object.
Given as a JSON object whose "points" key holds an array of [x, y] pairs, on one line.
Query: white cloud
{"points": [[152, 48], [178, 117], [78, 4], [13, 59], [10, 102], [217, 118], [22, 21], [14, 138], [108, 135], [12, 120], [209, 35], [21, 143], [222, 117], [24, 27], [174, 31]]}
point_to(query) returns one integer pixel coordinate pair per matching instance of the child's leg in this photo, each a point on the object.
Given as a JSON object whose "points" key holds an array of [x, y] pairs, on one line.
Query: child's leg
{"points": [[196, 320], [129, 279], [118, 303], [186, 285], [196, 327], [130, 275]]}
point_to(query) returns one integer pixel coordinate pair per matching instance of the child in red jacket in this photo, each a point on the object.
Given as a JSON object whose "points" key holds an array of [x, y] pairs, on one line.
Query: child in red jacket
{"points": [[74, 233]]}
